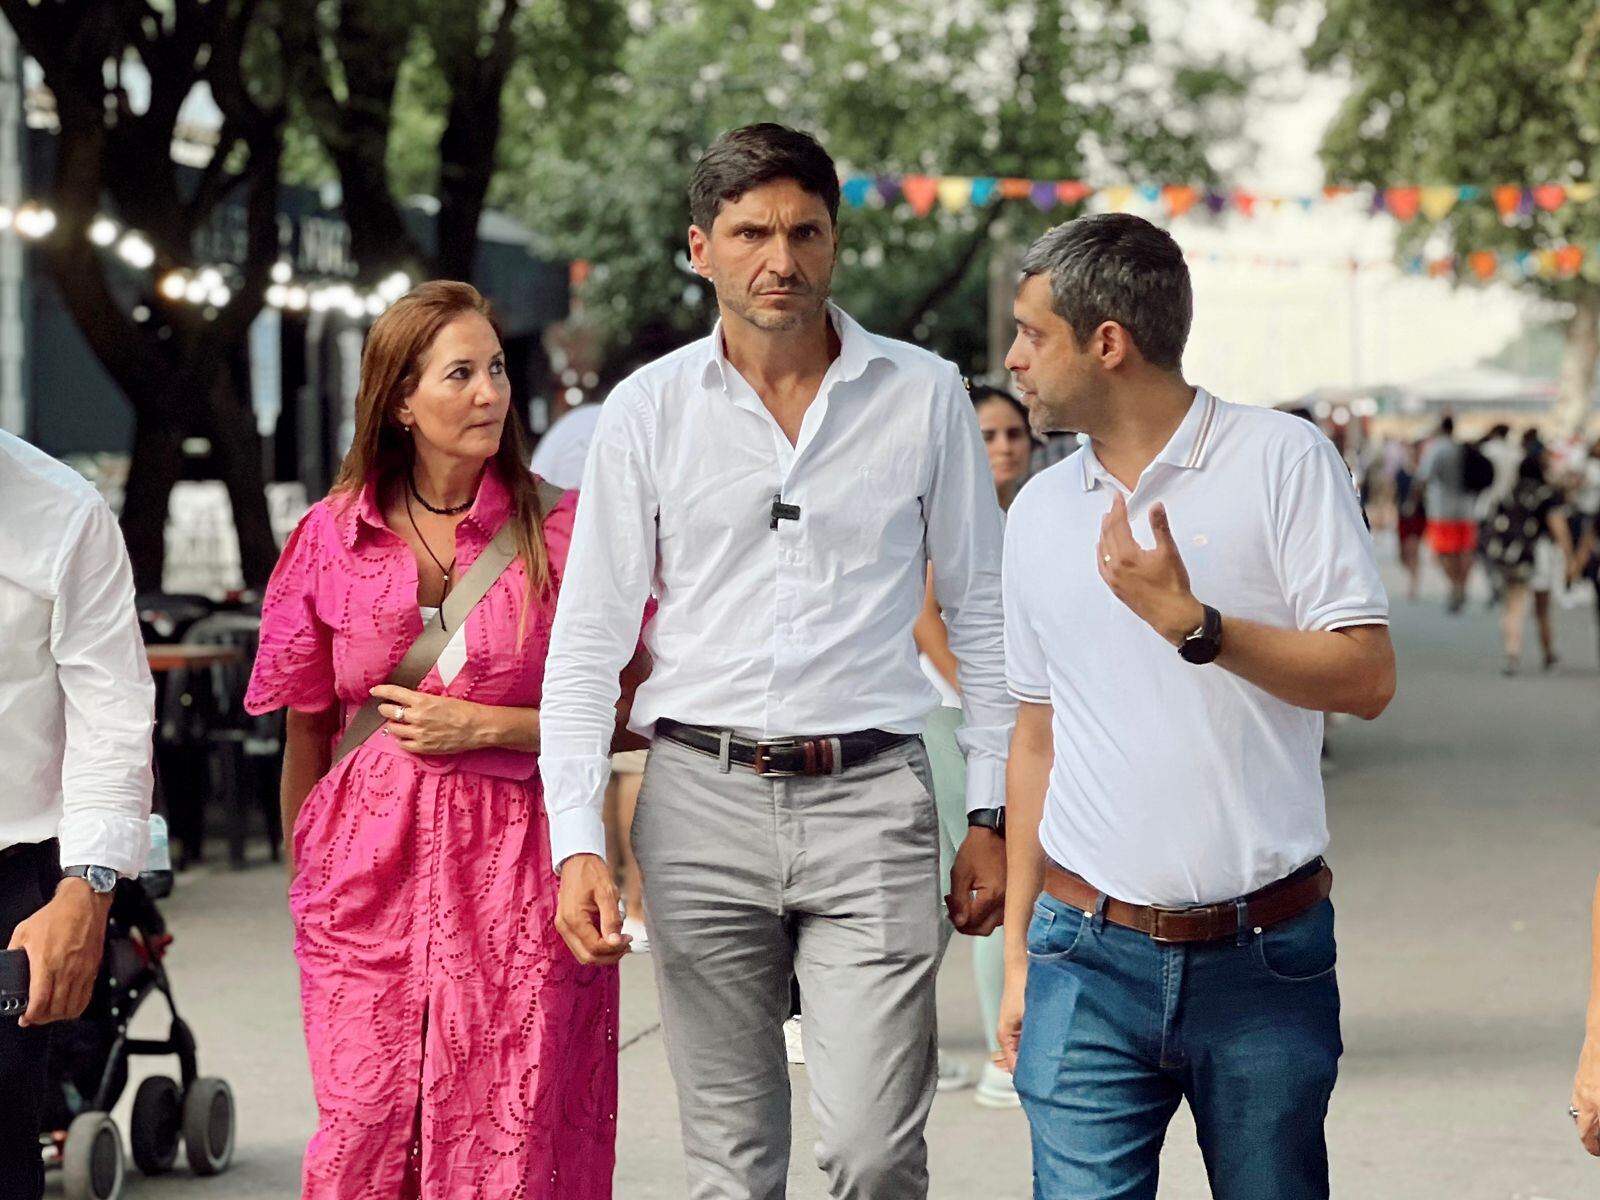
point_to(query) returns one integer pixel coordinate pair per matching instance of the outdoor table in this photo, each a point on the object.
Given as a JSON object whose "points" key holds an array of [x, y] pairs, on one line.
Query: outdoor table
{"points": [[172, 657]]}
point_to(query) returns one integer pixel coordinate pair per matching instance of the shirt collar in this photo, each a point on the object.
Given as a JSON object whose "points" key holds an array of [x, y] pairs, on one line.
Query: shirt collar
{"points": [[1186, 449], [857, 351], [488, 511]]}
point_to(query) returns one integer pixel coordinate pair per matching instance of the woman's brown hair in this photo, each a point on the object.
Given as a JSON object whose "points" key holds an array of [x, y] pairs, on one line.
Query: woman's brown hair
{"points": [[391, 365]]}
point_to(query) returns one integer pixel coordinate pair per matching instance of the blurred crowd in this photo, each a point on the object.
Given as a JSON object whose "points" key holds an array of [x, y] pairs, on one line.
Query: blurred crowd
{"points": [[1521, 507]]}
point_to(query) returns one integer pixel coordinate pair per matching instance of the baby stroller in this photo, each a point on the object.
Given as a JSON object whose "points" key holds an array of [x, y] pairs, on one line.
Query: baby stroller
{"points": [[88, 1066]]}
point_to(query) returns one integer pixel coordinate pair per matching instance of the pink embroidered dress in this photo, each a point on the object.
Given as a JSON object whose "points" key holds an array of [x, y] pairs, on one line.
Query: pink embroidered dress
{"points": [[434, 983]]}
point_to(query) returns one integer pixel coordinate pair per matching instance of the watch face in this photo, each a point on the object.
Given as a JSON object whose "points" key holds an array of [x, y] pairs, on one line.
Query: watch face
{"points": [[101, 879]]}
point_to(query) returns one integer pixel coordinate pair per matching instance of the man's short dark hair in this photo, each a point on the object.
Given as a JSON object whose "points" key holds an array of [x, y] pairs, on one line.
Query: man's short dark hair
{"points": [[1118, 267], [746, 158]]}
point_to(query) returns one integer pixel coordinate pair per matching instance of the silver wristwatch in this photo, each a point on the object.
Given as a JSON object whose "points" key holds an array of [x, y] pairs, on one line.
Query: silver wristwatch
{"points": [[101, 880]]}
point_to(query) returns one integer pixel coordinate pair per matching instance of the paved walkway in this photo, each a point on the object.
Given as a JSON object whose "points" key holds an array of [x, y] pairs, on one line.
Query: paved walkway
{"points": [[1466, 842]]}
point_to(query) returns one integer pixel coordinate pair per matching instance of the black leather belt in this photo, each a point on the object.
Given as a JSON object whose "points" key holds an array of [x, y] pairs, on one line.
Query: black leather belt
{"points": [[783, 757]]}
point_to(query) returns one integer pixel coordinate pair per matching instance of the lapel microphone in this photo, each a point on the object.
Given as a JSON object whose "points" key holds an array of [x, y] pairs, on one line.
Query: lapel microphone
{"points": [[782, 511]]}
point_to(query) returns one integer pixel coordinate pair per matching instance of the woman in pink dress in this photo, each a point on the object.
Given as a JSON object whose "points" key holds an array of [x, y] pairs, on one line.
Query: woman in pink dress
{"points": [[457, 1049]]}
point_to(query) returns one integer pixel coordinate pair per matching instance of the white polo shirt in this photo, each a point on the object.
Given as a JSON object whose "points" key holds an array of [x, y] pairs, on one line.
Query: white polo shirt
{"points": [[1176, 784]]}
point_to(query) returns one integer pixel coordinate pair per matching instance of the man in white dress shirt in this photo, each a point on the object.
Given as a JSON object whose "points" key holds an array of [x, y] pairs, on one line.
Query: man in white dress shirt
{"points": [[75, 721], [780, 486], [1164, 788]]}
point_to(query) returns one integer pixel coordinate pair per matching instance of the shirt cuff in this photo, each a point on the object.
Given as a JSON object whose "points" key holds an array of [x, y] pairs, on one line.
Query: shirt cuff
{"points": [[986, 782], [576, 831], [95, 839]]}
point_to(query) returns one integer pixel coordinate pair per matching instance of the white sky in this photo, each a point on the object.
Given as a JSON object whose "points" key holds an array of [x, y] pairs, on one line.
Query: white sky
{"points": [[1264, 332]]}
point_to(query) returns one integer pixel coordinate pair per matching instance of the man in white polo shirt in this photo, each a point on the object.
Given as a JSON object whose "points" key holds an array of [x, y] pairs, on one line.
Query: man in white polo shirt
{"points": [[1184, 598]]}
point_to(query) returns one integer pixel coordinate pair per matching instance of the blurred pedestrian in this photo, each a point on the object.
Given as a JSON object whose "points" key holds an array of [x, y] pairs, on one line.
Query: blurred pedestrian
{"points": [[77, 701], [1449, 495], [1166, 821], [559, 457], [456, 1048], [783, 483], [1530, 548], [1003, 421], [1412, 519]]}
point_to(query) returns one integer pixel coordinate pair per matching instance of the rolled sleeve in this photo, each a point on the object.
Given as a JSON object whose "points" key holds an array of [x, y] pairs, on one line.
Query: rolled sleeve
{"points": [[1327, 567], [603, 591], [106, 776], [964, 535]]}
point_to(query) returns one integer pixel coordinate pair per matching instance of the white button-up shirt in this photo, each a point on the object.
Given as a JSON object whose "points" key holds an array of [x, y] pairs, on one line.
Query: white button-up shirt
{"points": [[1176, 784], [76, 699], [802, 630]]}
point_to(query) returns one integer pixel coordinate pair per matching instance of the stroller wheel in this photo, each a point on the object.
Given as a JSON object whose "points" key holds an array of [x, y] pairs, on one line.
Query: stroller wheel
{"points": [[157, 1124], [208, 1126], [91, 1161]]}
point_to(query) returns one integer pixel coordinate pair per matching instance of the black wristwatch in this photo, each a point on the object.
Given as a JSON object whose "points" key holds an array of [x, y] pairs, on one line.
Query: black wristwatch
{"points": [[988, 818], [1205, 643]]}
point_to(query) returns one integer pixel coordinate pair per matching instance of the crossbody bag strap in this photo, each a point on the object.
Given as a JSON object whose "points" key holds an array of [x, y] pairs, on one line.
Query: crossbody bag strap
{"points": [[463, 598]]}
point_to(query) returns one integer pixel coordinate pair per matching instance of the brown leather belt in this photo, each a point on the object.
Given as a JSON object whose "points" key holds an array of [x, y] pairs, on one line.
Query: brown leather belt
{"points": [[1273, 904], [786, 757]]}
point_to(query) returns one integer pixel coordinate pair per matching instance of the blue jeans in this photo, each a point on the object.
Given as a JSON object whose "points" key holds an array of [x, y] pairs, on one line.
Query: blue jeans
{"points": [[1119, 1029]]}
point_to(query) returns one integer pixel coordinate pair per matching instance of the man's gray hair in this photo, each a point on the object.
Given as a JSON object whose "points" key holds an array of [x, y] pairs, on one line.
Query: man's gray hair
{"points": [[1118, 267]]}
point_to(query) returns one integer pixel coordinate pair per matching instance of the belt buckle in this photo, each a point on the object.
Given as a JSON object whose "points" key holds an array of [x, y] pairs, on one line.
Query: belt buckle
{"points": [[1161, 912], [761, 767]]}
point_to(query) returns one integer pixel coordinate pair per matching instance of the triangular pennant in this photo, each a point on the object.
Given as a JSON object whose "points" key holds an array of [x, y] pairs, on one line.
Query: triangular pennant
{"points": [[921, 191], [856, 189], [982, 189], [888, 188], [1527, 264], [1549, 196], [1015, 189], [1582, 193], [1149, 193], [1334, 190], [1548, 267], [1044, 196], [1507, 199], [1216, 202], [1440, 267], [1438, 201], [1305, 202], [1071, 191], [1403, 202], [1180, 198], [1117, 198], [1245, 202], [1569, 261], [1468, 192], [955, 192], [1484, 264]]}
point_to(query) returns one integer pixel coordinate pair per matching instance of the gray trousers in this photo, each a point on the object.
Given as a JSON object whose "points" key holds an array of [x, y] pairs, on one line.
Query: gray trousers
{"points": [[834, 879]]}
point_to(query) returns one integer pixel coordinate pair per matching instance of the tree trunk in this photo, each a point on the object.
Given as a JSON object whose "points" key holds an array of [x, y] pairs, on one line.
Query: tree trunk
{"points": [[904, 329], [1575, 394], [236, 452], [153, 468]]}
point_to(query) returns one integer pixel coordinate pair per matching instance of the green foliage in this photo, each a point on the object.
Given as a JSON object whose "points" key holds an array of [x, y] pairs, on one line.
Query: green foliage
{"points": [[1031, 88], [1481, 92]]}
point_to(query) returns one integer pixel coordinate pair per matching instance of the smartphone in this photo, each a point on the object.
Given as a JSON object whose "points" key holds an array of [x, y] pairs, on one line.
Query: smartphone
{"points": [[13, 982]]}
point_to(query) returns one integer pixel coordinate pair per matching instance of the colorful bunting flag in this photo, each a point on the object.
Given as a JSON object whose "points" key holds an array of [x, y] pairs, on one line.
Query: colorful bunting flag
{"points": [[856, 190], [1070, 191], [1438, 201], [1507, 200], [983, 188], [1117, 198], [1180, 198], [921, 192], [1045, 195], [1016, 189], [955, 191], [1484, 264], [1549, 196]]}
